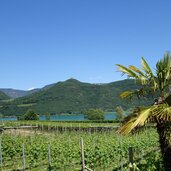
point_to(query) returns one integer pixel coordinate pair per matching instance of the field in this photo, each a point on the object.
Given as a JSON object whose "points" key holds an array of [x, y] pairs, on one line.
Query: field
{"points": [[64, 124], [61, 150]]}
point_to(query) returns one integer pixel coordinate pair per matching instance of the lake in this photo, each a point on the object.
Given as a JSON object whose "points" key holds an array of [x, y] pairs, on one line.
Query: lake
{"points": [[79, 117]]}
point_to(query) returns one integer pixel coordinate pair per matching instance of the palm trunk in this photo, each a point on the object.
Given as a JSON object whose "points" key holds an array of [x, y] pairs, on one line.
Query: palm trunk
{"points": [[163, 130]]}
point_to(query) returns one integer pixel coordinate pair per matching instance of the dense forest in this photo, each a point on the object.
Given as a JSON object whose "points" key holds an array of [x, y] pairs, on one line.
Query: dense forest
{"points": [[73, 96]]}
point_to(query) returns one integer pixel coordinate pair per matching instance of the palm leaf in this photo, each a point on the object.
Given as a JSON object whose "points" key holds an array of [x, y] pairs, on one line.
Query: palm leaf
{"points": [[130, 93], [162, 113], [127, 71], [137, 70], [163, 72], [126, 94], [146, 67], [136, 121]]}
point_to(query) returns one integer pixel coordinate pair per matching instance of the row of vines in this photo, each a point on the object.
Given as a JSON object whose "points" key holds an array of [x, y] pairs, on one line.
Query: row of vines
{"points": [[57, 124], [103, 151]]}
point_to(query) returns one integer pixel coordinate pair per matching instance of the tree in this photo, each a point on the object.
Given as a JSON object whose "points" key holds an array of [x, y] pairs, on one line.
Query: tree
{"points": [[119, 113], [31, 115], [94, 114], [47, 116], [159, 84]]}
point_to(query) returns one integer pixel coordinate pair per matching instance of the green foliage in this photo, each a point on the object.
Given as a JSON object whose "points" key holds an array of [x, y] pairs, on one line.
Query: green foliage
{"points": [[47, 116], [119, 113], [73, 96], [12, 93], [3, 96], [159, 84], [31, 115], [102, 151], [94, 114]]}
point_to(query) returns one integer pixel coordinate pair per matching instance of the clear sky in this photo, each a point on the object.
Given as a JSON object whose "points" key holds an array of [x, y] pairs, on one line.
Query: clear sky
{"points": [[46, 41]]}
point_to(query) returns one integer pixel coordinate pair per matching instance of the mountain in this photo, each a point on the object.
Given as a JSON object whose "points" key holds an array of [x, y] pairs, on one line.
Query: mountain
{"points": [[3, 96], [13, 93], [73, 96]]}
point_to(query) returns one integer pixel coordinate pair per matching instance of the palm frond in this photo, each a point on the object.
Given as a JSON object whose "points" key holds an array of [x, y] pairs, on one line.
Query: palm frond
{"points": [[139, 120], [146, 67], [137, 70], [162, 113], [127, 71], [141, 76], [129, 94], [126, 94], [163, 72]]}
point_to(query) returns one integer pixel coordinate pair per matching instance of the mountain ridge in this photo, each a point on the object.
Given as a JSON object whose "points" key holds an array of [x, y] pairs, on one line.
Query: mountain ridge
{"points": [[3, 96], [16, 93], [72, 96]]}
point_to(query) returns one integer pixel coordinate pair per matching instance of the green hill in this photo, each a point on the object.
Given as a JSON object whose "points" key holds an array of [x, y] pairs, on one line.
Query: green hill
{"points": [[73, 96], [14, 93], [3, 96]]}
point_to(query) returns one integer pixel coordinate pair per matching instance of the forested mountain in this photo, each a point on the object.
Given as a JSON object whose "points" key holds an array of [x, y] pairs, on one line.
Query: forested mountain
{"points": [[14, 93], [73, 96], [3, 96]]}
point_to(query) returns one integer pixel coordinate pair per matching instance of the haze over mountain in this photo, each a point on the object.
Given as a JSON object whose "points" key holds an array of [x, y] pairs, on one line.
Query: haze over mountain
{"points": [[72, 96], [14, 93], [3, 96]]}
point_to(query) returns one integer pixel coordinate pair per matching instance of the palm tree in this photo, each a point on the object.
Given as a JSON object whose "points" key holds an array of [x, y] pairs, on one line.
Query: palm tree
{"points": [[159, 84]]}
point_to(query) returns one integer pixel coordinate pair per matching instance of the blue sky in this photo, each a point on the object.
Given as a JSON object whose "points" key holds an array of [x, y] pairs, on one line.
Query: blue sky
{"points": [[43, 42]]}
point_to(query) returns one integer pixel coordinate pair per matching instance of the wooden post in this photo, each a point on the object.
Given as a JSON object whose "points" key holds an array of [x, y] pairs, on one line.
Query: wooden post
{"points": [[49, 127], [82, 155], [0, 151], [121, 153], [79, 126], [120, 160], [69, 140], [23, 157], [49, 155], [131, 159], [42, 127], [57, 129], [36, 128]]}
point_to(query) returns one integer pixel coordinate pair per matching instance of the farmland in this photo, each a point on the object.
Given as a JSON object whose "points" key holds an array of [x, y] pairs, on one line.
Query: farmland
{"points": [[61, 150]]}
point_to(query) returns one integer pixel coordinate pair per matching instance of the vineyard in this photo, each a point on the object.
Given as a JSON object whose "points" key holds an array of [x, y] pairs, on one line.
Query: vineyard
{"points": [[103, 151], [54, 124]]}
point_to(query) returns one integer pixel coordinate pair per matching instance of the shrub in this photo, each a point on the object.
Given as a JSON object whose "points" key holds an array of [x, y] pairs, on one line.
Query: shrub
{"points": [[31, 115], [94, 114]]}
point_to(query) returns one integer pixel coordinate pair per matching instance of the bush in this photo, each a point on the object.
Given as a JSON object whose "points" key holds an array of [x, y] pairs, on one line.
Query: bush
{"points": [[94, 114], [120, 114], [31, 115]]}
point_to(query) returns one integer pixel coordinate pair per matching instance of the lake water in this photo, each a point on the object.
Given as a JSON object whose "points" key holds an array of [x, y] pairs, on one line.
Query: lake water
{"points": [[8, 119], [79, 117]]}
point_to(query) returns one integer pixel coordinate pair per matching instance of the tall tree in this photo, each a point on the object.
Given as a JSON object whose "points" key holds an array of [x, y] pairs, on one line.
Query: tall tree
{"points": [[119, 113], [159, 84]]}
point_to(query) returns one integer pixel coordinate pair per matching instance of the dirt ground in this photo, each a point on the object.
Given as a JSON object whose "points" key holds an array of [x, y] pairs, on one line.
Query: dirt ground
{"points": [[21, 132]]}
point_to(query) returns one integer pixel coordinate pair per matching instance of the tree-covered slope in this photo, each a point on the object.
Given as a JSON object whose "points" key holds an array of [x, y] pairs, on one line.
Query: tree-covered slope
{"points": [[14, 93], [3, 96], [73, 96]]}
